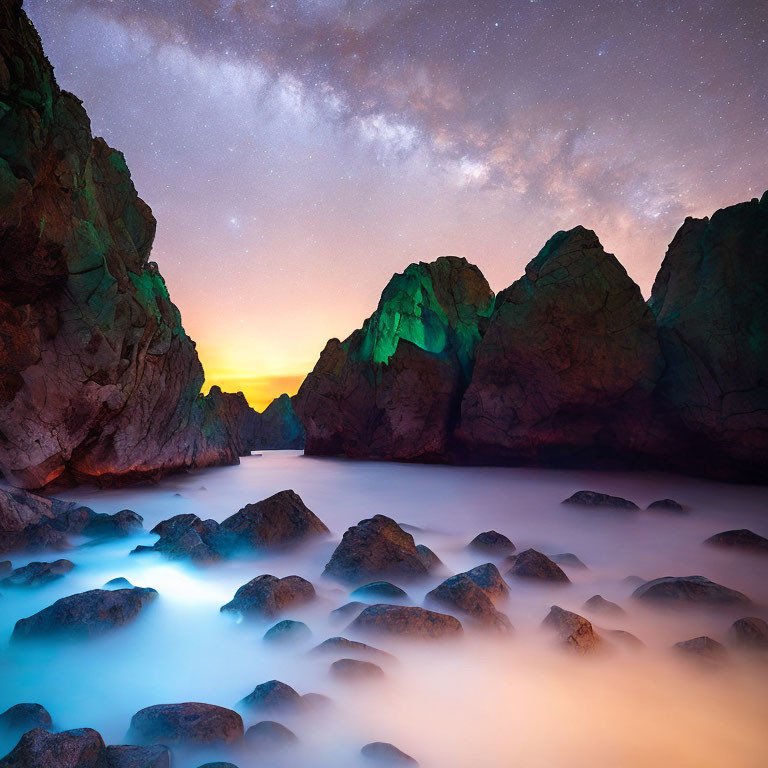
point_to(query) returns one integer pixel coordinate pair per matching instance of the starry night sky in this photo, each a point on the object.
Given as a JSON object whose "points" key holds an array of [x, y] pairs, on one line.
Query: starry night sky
{"points": [[297, 153]]}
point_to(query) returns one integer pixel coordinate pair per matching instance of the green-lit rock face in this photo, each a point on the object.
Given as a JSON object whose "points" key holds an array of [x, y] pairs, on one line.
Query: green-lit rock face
{"points": [[390, 390]]}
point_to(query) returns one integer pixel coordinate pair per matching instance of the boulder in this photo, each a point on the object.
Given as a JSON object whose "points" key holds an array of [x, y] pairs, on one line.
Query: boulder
{"points": [[78, 748], [373, 549], [36, 574], [710, 299], [288, 632], [492, 543], [187, 724], [598, 604], [355, 669], [21, 718], [187, 537], [689, 590], [750, 633], [86, 614], [595, 500], [533, 566], [623, 637], [379, 589], [340, 645], [565, 372], [666, 505], [119, 582], [572, 630], [348, 610], [407, 622], [267, 596], [741, 539], [98, 380], [120, 524], [281, 520], [431, 561], [392, 389], [272, 696], [130, 756], [383, 753], [567, 559], [488, 578], [702, 649], [268, 735]]}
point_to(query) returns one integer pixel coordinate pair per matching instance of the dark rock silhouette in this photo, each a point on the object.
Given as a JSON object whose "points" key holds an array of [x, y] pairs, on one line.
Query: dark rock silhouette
{"points": [[278, 426], [267, 596], [86, 614], [78, 748], [740, 539], [598, 604], [340, 645], [666, 505], [288, 632], [406, 621], [37, 574], [749, 632], [269, 735], [702, 649], [355, 669], [383, 753], [392, 389], [594, 500], [21, 718], [689, 590], [186, 724], [274, 696], [379, 589], [534, 566], [492, 543]]}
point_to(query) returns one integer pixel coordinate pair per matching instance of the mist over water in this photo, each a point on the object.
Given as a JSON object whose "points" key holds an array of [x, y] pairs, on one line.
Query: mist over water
{"points": [[483, 700]]}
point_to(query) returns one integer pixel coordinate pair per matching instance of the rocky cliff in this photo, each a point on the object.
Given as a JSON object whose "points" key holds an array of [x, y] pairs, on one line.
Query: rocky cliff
{"points": [[98, 380], [392, 389], [571, 366]]}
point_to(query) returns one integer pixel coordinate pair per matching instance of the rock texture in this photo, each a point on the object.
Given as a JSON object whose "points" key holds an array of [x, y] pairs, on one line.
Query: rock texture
{"points": [[278, 427], [187, 723], [407, 622], [37, 574], [572, 630], [267, 596], [79, 748], [129, 756], [98, 380], [749, 632], [689, 590], [392, 389], [568, 362], [534, 566], [273, 696], [21, 718]]}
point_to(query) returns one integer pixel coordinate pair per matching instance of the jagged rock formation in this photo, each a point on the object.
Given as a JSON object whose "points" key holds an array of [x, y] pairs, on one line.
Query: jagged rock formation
{"points": [[568, 362], [278, 427], [572, 367], [391, 390], [98, 379], [710, 299]]}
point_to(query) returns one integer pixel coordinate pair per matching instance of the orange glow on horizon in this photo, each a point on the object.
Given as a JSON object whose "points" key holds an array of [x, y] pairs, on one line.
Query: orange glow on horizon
{"points": [[259, 391]]}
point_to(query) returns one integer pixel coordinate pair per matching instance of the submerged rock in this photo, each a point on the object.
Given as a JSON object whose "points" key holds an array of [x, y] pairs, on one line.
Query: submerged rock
{"points": [[749, 632], [129, 756], [492, 543], [38, 574], [373, 549], [78, 748], [384, 753], [86, 614], [431, 561], [599, 604], [186, 724], [595, 500], [355, 669], [406, 621], [186, 537], [534, 566], [269, 735], [21, 718], [379, 589], [623, 637], [121, 524], [278, 521], [119, 582], [267, 596], [274, 696], [288, 632], [348, 610], [742, 539], [337, 645], [703, 649], [568, 559], [572, 630], [690, 590], [665, 505]]}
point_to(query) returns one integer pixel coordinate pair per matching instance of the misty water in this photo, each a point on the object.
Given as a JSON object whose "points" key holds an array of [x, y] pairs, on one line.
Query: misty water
{"points": [[483, 700]]}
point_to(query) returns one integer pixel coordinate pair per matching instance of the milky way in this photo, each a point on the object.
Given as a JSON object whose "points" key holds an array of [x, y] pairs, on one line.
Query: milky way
{"points": [[296, 154]]}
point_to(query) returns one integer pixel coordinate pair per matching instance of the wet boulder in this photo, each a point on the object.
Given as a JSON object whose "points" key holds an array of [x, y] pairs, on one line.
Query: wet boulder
{"points": [[279, 521], [37, 574], [376, 548], [186, 724], [406, 622], [78, 748], [131, 756], [598, 604], [595, 500], [379, 589], [272, 696], [355, 669], [702, 649], [86, 614], [689, 590], [288, 632], [749, 633], [572, 630], [533, 566], [21, 718], [341, 645], [666, 505], [269, 735], [123, 523], [492, 543], [383, 753], [267, 596], [187, 537], [741, 539]]}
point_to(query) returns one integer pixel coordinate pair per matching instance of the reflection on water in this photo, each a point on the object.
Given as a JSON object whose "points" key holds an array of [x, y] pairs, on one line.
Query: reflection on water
{"points": [[482, 701]]}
